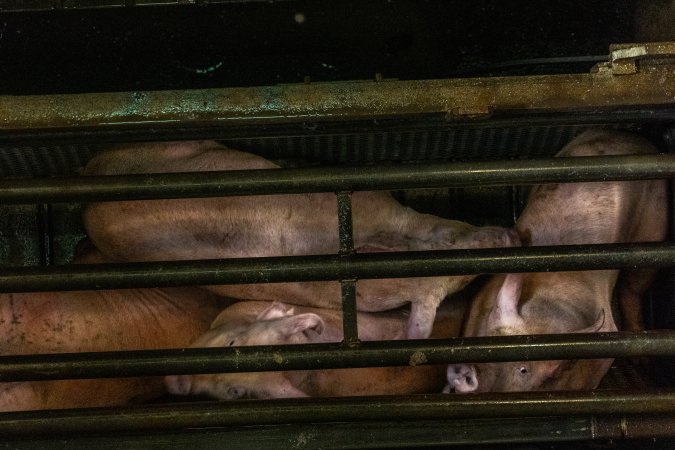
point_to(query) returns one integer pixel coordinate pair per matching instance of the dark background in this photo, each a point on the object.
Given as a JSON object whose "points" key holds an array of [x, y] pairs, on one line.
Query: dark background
{"points": [[252, 43]]}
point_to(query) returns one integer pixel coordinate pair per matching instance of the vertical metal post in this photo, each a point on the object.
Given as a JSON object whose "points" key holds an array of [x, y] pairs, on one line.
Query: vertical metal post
{"points": [[46, 234], [346, 233]]}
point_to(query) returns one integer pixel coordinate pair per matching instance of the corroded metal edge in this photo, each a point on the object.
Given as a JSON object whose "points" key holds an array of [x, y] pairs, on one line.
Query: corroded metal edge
{"points": [[453, 99]]}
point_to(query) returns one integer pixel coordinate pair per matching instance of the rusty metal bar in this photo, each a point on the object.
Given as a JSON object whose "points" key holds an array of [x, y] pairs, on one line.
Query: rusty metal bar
{"points": [[345, 409], [314, 103], [335, 355], [335, 179], [336, 267]]}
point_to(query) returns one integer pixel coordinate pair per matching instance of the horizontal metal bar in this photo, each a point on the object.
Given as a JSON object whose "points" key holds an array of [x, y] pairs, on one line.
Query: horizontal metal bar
{"points": [[357, 435], [310, 104], [324, 179], [79, 5], [335, 355], [340, 409], [336, 267], [381, 434]]}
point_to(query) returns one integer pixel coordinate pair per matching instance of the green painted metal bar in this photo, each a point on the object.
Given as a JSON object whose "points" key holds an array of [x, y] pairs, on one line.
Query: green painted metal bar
{"points": [[345, 223], [361, 435], [335, 355], [358, 435], [348, 287], [334, 179], [349, 317], [344, 409], [336, 267]]}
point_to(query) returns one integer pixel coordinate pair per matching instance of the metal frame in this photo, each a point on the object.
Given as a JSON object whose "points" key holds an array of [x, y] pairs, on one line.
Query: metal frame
{"points": [[320, 108], [610, 94]]}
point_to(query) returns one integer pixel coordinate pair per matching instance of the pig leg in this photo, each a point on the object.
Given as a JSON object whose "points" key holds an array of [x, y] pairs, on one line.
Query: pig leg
{"points": [[422, 315]]}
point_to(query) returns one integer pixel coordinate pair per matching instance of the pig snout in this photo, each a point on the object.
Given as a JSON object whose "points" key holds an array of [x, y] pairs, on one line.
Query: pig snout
{"points": [[178, 384], [461, 378]]}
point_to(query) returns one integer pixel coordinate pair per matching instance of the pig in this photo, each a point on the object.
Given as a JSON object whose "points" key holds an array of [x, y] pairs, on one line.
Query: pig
{"points": [[264, 323], [275, 225], [95, 321], [568, 302]]}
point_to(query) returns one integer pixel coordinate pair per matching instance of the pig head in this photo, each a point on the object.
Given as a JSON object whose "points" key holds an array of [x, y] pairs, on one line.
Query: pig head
{"points": [[278, 324], [505, 318], [275, 325], [275, 225], [568, 302]]}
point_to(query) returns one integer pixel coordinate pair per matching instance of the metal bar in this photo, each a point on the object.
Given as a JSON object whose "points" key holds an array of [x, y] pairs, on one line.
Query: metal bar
{"points": [[349, 319], [335, 355], [79, 5], [358, 435], [344, 409], [46, 234], [348, 287], [345, 223], [334, 179], [335, 267], [314, 103]]}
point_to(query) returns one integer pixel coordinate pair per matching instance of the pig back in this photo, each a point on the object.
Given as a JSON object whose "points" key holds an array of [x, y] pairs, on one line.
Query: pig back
{"points": [[598, 212]]}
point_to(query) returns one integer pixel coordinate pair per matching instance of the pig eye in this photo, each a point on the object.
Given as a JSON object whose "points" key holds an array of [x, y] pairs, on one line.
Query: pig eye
{"points": [[523, 370], [231, 343]]}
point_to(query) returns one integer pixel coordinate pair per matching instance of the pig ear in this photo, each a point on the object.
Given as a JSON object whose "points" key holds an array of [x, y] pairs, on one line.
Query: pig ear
{"points": [[597, 326], [302, 323], [505, 314], [275, 311], [553, 369], [283, 389]]}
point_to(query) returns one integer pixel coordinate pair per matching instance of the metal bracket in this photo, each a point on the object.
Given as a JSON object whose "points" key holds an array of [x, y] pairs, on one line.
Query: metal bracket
{"points": [[626, 59]]}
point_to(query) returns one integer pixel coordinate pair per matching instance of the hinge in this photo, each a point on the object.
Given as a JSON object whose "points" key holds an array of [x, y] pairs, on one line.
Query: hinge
{"points": [[625, 59]]}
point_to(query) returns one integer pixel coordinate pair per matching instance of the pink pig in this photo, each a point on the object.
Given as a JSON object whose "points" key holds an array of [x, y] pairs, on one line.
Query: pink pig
{"points": [[265, 323], [95, 321], [275, 225], [568, 302]]}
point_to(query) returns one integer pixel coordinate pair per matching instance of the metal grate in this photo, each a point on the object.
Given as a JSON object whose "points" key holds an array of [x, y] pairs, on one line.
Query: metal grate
{"points": [[432, 145], [443, 145], [38, 161]]}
